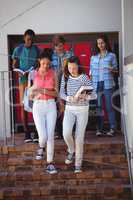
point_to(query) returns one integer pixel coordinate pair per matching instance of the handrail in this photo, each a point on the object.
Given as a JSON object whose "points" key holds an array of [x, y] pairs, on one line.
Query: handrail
{"points": [[128, 153], [3, 99]]}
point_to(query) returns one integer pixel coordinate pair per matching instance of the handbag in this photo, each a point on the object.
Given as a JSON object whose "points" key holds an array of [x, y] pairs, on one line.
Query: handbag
{"points": [[28, 104]]}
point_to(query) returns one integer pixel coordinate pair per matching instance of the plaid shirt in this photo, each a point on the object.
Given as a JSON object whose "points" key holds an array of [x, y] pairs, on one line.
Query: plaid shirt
{"points": [[109, 60], [57, 61]]}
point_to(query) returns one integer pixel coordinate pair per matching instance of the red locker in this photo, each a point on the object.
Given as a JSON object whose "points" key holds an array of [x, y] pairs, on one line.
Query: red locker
{"points": [[83, 51]]}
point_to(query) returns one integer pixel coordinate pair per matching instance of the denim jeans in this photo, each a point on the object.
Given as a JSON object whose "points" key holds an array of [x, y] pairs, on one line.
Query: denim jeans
{"points": [[108, 103]]}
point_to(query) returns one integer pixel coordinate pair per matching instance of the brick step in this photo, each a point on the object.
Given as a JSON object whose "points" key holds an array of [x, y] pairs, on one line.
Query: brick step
{"points": [[75, 183], [64, 174], [104, 177], [89, 147], [72, 197], [101, 191], [96, 151], [63, 150], [59, 160], [103, 158]]}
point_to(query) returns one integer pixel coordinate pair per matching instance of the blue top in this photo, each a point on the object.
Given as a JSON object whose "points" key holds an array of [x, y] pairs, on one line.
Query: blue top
{"points": [[27, 56], [101, 65], [101, 70], [73, 85]]}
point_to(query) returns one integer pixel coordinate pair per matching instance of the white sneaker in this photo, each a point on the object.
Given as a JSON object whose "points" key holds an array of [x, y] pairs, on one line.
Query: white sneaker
{"points": [[99, 133], [40, 154], [51, 169], [77, 170], [28, 137], [110, 133], [69, 158]]}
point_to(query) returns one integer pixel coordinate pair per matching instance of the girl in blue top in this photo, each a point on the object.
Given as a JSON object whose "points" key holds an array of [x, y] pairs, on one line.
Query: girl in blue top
{"points": [[102, 67]]}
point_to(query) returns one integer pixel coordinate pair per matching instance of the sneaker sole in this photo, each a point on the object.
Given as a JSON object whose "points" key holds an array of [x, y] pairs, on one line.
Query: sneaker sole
{"points": [[52, 172], [28, 140], [110, 135], [39, 158], [68, 162], [35, 140], [99, 135], [77, 172]]}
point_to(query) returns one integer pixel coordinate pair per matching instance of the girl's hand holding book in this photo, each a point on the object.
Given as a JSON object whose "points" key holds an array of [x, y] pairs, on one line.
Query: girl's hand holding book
{"points": [[34, 91], [83, 97], [72, 99]]}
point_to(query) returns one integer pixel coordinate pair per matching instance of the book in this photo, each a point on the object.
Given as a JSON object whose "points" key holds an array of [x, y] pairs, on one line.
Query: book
{"points": [[21, 71], [84, 89]]}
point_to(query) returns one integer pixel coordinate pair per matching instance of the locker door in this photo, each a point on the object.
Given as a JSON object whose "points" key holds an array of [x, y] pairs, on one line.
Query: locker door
{"points": [[83, 51]]}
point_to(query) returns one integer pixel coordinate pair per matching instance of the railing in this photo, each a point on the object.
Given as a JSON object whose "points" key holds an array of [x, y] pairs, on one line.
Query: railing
{"points": [[123, 93], [129, 151], [7, 130]]}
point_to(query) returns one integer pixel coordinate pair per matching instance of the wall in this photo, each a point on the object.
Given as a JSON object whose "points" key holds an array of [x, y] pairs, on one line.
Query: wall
{"points": [[128, 67], [128, 27], [55, 16]]}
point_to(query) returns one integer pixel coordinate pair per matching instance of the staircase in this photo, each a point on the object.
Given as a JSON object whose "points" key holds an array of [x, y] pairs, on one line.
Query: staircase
{"points": [[104, 177]]}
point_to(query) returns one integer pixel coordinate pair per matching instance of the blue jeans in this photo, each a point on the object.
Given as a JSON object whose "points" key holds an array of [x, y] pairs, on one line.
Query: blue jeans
{"points": [[108, 103]]}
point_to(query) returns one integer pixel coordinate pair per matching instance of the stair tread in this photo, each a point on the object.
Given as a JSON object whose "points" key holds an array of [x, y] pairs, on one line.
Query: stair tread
{"points": [[14, 160], [101, 186], [105, 171], [69, 171]]}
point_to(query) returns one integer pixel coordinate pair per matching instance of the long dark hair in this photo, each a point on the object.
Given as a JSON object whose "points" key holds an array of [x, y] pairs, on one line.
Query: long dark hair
{"points": [[104, 37], [46, 53], [73, 59]]}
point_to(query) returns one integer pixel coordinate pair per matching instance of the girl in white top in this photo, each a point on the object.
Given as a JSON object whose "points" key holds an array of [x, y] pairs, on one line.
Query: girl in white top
{"points": [[76, 110]]}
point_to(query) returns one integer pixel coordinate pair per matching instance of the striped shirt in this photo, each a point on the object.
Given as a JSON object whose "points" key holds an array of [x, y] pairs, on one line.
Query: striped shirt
{"points": [[100, 65], [73, 85]]}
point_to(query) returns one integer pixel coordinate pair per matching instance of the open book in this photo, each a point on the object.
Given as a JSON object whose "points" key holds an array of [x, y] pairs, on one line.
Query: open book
{"points": [[21, 71], [84, 89]]}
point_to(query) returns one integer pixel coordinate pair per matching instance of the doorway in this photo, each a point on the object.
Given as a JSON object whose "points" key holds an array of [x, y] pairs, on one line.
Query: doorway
{"points": [[82, 45]]}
